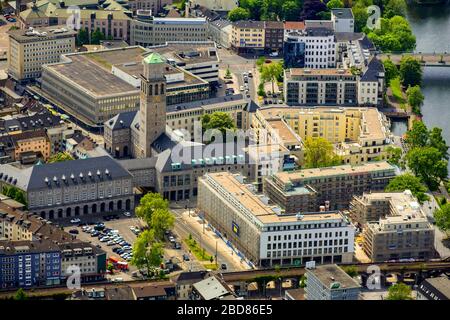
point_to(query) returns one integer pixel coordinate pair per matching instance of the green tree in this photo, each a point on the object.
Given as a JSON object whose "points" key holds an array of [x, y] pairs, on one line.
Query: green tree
{"points": [[302, 282], [410, 71], [97, 36], [418, 135], [271, 73], [333, 4], [260, 62], [415, 98], [228, 74], [20, 295], [427, 163], [395, 8], [442, 217], [60, 157], [238, 14], [148, 204], [391, 71], [436, 141], [399, 291], [261, 92], [15, 194], [162, 220], [320, 153], [360, 14], [82, 37], [394, 154], [290, 10], [218, 120], [147, 253], [351, 271], [410, 182]]}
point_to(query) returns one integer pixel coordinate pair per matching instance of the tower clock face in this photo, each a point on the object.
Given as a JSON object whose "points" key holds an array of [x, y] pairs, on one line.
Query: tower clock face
{"points": [[157, 99]]}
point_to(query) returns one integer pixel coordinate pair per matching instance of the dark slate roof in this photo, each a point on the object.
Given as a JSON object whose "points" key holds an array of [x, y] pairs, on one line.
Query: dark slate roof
{"points": [[121, 120], [249, 24], [163, 142], [319, 32], [366, 43], [343, 13], [374, 67], [221, 23], [137, 164], [119, 293], [187, 157], [191, 276], [15, 247], [97, 167], [348, 36]]}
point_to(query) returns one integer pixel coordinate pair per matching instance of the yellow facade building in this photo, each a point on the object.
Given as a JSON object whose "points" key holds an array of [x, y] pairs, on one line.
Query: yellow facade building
{"points": [[359, 135]]}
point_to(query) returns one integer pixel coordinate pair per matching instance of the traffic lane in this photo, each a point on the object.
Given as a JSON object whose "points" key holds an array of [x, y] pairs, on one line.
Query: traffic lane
{"points": [[184, 229], [187, 228], [193, 264]]}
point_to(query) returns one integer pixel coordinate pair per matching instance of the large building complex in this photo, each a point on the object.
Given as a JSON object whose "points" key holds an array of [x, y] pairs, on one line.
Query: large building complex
{"points": [[332, 187], [29, 49], [394, 226], [95, 86], [147, 30], [359, 135], [335, 86], [264, 233], [72, 188]]}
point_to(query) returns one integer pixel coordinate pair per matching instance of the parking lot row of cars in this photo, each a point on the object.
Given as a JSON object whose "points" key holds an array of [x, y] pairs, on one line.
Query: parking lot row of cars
{"points": [[112, 237]]}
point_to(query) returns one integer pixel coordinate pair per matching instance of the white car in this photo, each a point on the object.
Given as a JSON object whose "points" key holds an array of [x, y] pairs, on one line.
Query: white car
{"points": [[274, 54], [241, 88], [127, 214], [76, 220], [110, 243]]}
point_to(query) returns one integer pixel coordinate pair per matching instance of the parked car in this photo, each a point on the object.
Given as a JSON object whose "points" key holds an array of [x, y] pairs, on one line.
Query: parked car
{"points": [[185, 257], [223, 266], [127, 214], [110, 243], [177, 245], [73, 231], [75, 220]]}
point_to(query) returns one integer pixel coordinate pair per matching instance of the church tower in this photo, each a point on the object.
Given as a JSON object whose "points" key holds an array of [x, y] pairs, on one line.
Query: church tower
{"points": [[152, 103]]}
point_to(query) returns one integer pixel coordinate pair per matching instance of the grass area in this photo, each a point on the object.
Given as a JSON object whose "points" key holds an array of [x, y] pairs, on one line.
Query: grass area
{"points": [[100, 60], [178, 4], [397, 91], [210, 266], [198, 252]]}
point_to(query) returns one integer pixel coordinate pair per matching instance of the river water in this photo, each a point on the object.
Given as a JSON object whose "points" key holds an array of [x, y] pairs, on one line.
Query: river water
{"points": [[431, 26]]}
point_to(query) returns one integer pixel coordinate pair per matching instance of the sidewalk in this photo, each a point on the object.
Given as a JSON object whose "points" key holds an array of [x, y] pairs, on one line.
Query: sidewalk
{"points": [[211, 238]]}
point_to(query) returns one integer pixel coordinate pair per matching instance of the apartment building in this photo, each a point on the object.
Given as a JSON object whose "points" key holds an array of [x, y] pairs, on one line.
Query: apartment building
{"points": [[320, 46], [274, 35], [304, 86], [29, 263], [401, 232], [220, 32], [248, 36], [343, 20], [113, 24], [334, 186], [359, 135], [29, 49], [266, 235], [88, 258], [330, 282], [72, 188], [147, 30], [34, 144]]}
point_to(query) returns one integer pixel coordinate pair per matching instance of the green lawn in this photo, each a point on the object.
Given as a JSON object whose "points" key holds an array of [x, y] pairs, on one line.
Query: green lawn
{"points": [[210, 266], [396, 88], [200, 254]]}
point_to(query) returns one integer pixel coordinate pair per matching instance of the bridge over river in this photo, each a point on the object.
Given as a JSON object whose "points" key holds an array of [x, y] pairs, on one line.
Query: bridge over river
{"points": [[426, 59]]}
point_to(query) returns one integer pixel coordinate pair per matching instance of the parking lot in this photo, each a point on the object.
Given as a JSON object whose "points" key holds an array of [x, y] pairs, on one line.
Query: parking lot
{"points": [[109, 235]]}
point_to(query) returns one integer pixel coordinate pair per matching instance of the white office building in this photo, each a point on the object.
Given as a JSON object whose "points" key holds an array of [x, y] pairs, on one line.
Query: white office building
{"points": [[266, 235]]}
